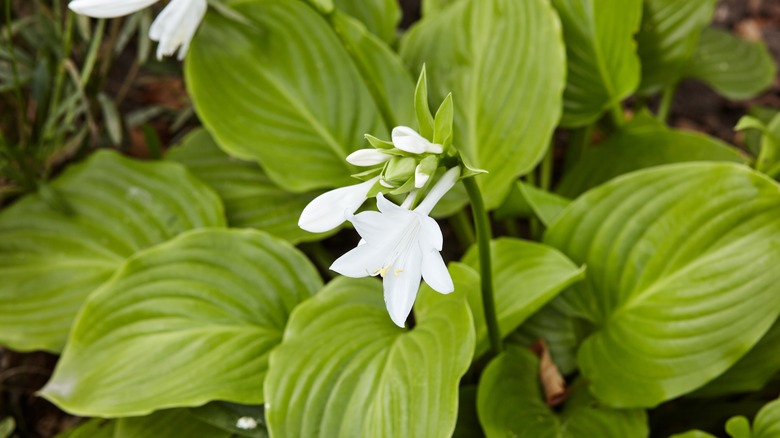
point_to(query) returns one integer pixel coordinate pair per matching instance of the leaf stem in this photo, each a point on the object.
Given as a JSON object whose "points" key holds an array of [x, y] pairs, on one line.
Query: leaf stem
{"points": [[485, 265], [666, 102], [618, 117]]}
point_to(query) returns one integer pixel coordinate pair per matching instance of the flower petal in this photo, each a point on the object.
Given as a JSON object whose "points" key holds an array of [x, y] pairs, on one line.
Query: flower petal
{"points": [[108, 8], [420, 178], [176, 25], [401, 285], [408, 140], [362, 261], [442, 186], [435, 272], [329, 210], [430, 234], [371, 225], [367, 157]]}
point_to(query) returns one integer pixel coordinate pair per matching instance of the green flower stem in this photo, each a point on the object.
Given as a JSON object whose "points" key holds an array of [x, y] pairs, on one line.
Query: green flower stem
{"points": [[486, 272], [666, 102]]}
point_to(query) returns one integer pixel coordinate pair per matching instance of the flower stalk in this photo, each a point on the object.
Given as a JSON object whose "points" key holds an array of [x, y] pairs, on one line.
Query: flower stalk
{"points": [[482, 224]]}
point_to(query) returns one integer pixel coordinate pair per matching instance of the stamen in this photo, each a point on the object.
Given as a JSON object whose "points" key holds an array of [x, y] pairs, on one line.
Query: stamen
{"points": [[398, 271]]}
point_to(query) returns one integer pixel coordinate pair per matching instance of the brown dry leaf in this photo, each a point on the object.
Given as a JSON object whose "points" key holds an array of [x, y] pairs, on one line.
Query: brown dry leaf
{"points": [[749, 29], [553, 383]]}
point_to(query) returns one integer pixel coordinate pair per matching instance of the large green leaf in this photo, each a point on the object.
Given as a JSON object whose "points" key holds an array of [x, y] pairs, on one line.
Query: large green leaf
{"points": [[380, 16], [644, 142], [251, 199], [735, 68], [170, 423], [504, 62], [668, 37], [510, 403], [183, 323], [59, 245], [344, 369], [526, 275], [301, 105], [752, 371], [603, 67], [680, 279]]}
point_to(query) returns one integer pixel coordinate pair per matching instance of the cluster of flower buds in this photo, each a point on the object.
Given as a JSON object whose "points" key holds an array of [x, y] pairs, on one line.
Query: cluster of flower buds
{"points": [[400, 243]]}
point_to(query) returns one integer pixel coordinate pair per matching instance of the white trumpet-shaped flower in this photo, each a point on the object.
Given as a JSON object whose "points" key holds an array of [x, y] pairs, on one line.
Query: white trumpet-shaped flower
{"points": [[173, 29], [408, 140], [403, 246], [331, 209]]}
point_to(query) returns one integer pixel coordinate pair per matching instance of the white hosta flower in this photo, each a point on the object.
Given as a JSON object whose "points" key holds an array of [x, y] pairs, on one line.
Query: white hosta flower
{"points": [[173, 29], [331, 209], [408, 140], [368, 157], [403, 246]]}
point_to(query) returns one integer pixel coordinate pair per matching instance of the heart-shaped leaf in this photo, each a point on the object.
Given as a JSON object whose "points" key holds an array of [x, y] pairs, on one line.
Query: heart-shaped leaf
{"points": [[668, 37], [735, 68], [380, 16], [526, 275], [302, 103], [680, 281], [61, 244], [504, 62], [510, 403], [344, 369], [644, 142], [603, 67], [251, 199], [183, 323]]}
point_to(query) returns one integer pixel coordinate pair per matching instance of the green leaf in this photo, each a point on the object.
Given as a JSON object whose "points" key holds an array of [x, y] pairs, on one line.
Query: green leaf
{"points": [[735, 68], [52, 255], [668, 38], [679, 285], [7, 426], [380, 16], [753, 137], [344, 369], [382, 70], [210, 304], [251, 199], [431, 7], [642, 143], [170, 423], [738, 427], [302, 105], [693, 434], [526, 275], [323, 6], [752, 372], [226, 416], [603, 67], [422, 110], [769, 155], [767, 421], [510, 403], [442, 132], [545, 205], [504, 62], [92, 428]]}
